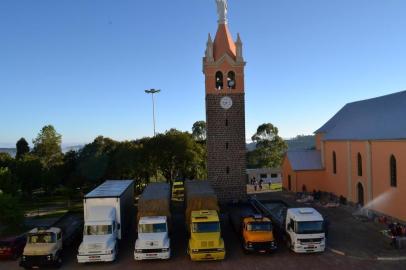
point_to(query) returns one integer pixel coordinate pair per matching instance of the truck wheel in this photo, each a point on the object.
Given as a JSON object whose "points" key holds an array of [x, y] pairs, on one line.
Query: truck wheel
{"points": [[288, 244], [58, 262]]}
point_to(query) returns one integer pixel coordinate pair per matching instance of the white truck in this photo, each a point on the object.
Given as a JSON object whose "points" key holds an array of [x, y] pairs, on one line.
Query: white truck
{"points": [[107, 217], [153, 223], [303, 229]]}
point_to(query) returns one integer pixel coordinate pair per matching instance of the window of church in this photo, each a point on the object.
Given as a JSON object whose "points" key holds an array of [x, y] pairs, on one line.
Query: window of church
{"points": [[359, 159], [219, 80], [393, 172], [231, 80]]}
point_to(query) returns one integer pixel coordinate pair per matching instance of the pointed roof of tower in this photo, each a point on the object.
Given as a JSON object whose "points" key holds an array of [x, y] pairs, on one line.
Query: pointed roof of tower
{"points": [[223, 42]]}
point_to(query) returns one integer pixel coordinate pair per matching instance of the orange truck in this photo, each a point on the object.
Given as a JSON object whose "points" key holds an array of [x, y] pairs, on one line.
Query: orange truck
{"points": [[255, 230]]}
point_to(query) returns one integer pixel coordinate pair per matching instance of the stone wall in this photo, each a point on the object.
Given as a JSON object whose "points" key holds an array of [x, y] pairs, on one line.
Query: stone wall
{"points": [[226, 150]]}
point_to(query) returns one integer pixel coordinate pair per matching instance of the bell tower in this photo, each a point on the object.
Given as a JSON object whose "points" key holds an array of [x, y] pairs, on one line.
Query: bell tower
{"points": [[223, 67]]}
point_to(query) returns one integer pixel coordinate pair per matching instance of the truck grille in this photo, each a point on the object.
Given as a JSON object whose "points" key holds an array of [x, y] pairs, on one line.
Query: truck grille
{"points": [[151, 243], [209, 250], [311, 241], [157, 250], [206, 244], [262, 245]]}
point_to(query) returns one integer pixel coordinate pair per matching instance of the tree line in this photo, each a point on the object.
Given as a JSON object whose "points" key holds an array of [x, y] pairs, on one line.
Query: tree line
{"points": [[167, 156]]}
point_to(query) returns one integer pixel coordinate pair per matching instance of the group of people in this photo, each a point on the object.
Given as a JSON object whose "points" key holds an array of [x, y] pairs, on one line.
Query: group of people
{"points": [[256, 183]]}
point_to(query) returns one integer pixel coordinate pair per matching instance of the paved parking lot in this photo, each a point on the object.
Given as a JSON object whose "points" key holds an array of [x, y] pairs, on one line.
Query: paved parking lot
{"points": [[235, 258]]}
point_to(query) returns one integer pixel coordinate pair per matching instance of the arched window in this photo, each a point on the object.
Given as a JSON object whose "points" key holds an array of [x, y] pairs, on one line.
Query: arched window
{"points": [[393, 172], [219, 80], [359, 158], [231, 80], [228, 170], [334, 162]]}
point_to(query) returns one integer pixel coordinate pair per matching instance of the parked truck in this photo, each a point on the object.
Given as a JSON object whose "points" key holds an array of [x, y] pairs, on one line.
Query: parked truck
{"points": [[302, 228], [153, 223], [203, 222], [255, 230], [108, 210], [45, 245]]}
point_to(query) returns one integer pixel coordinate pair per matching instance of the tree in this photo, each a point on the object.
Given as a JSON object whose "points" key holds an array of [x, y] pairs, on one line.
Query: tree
{"points": [[47, 146], [22, 148], [7, 181], [178, 155], [199, 131], [6, 160], [94, 160], [29, 173], [270, 148]]}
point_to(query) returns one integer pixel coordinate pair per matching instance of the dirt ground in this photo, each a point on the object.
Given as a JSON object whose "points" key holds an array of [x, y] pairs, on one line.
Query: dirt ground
{"points": [[236, 259]]}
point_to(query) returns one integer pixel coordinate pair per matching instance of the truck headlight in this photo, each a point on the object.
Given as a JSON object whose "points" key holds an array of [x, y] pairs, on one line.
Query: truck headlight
{"points": [[165, 249], [195, 250], [249, 244], [220, 249], [49, 257], [109, 251], [138, 250], [23, 258]]}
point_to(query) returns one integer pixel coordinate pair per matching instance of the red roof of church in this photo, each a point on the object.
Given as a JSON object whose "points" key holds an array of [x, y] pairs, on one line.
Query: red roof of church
{"points": [[223, 43]]}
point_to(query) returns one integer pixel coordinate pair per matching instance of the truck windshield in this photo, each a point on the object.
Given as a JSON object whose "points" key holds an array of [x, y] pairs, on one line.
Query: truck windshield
{"points": [[306, 227], [259, 226], [205, 227], [41, 238], [98, 229], [152, 228]]}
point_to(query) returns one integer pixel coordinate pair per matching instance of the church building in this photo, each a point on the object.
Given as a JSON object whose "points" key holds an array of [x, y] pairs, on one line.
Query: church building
{"points": [[360, 155]]}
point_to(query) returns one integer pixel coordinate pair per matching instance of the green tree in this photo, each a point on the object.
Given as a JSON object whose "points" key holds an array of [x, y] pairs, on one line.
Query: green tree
{"points": [[7, 181], [47, 146], [94, 160], [29, 173], [10, 210], [22, 148], [178, 155], [199, 131], [270, 148], [6, 160]]}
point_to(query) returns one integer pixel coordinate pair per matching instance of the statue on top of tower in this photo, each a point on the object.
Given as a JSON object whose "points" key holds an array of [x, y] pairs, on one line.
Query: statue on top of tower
{"points": [[222, 10]]}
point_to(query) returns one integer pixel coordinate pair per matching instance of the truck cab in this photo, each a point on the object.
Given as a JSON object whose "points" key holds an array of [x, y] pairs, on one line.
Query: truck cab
{"points": [[205, 241], [178, 191], [257, 234], [153, 240], [44, 247], [305, 230], [100, 236]]}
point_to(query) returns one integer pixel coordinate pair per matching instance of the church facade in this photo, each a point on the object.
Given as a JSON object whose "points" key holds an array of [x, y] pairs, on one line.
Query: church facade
{"points": [[223, 67]]}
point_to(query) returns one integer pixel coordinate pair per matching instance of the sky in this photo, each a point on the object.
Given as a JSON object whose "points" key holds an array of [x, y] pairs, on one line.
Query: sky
{"points": [[83, 65]]}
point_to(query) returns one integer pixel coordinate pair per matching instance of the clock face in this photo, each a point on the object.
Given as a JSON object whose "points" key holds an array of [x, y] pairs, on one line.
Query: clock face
{"points": [[226, 103]]}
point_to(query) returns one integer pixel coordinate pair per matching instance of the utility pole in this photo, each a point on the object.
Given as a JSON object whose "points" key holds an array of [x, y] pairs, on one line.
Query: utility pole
{"points": [[152, 92]]}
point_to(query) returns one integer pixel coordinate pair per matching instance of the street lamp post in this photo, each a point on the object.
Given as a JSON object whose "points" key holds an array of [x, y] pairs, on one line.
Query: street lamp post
{"points": [[152, 92]]}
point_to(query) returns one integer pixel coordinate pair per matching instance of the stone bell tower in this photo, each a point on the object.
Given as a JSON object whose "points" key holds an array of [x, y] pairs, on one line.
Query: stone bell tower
{"points": [[223, 67]]}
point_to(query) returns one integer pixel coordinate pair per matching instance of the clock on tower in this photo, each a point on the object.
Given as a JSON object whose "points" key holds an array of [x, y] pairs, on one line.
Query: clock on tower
{"points": [[223, 67]]}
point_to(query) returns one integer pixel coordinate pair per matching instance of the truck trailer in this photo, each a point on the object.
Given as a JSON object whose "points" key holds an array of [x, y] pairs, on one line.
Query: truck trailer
{"points": [[203, 222], [153, 223], [107, 217], [303, 229], [254, 229]]}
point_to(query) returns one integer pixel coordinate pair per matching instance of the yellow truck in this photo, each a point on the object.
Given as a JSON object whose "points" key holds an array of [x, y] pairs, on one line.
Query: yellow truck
{"points": [[203, 222], [178, 191]]}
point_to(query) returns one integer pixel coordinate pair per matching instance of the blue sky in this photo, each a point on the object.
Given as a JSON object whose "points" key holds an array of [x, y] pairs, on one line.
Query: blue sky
{"points": [[83, 65]]}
